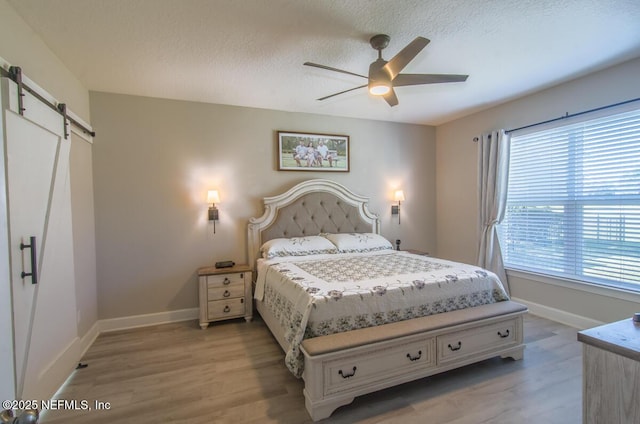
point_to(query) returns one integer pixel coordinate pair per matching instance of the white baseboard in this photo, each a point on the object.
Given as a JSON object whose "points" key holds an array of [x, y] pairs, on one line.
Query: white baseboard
{"points": [[135, 321], [60, 368], [87, 340], [558, 315]]}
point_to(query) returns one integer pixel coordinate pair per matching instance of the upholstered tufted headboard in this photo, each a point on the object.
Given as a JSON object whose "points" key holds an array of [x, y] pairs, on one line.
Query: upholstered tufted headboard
{"points": [[310, 208]]}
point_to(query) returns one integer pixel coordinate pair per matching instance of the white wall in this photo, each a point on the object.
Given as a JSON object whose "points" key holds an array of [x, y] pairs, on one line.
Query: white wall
{"points": [[84, 235], [456, 162], [21, 46], [155, 159]]}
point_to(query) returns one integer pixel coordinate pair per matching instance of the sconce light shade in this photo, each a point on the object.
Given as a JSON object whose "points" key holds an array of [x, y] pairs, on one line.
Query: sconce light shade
{"points": [[399, 196], [213, 197]]}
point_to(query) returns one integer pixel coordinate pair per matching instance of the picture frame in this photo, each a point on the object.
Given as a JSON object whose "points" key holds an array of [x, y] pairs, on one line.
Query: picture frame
{"points": [[313, 152]]}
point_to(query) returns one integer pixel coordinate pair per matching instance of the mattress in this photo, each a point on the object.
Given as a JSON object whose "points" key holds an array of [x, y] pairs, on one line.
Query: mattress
{"points": [[316, 295]]}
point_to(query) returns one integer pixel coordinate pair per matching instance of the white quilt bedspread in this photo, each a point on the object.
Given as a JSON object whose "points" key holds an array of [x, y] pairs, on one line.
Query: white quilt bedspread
{"points": [[324, 294]]}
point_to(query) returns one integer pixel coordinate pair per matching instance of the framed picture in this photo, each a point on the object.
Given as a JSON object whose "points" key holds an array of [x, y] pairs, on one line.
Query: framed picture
{"points": [[312, 152]]}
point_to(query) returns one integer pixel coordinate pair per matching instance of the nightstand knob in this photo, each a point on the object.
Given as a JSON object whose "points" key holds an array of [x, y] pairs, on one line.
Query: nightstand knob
{"points": [[226, 281], [226, 293], [226, 309]]}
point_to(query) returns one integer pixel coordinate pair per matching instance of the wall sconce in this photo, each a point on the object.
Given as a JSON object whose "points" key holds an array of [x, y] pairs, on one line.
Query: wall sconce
{"points": [[395, 209], [212, 198]]}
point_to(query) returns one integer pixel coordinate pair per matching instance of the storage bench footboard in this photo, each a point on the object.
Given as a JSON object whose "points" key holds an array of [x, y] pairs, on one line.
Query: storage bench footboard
{"points": [[339, 367]]}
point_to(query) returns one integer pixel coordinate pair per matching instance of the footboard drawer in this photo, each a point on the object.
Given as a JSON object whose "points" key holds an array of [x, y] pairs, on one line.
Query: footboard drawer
{"points": [[463, 344], [358, 369]]}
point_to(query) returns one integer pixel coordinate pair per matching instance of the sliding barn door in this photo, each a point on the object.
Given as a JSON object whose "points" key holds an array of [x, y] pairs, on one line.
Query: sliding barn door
{"points": [[7, 369], [39, 217]]}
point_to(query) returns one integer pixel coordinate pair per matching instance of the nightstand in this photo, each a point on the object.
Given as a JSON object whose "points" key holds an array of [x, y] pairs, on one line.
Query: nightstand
{"points": [[224, 293], [417, 252]]}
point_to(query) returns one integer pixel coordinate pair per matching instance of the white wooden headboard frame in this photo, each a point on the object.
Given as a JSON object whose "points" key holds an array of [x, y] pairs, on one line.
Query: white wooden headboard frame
{"points": [[309, 208]]}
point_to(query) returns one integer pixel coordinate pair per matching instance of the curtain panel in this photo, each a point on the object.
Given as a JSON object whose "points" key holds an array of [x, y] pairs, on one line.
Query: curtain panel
{"points": [[493, 173]]}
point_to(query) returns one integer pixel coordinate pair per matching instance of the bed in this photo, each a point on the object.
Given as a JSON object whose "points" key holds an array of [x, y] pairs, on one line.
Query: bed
{"points": [[352, 314]]}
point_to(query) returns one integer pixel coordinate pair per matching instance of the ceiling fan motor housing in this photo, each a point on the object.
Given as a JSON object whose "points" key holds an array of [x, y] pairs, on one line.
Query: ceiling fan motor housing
{"points": [[378, 75]]}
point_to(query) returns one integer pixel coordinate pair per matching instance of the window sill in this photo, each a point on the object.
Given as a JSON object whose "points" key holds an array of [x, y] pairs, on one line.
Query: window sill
{"points": [[616, 293]]}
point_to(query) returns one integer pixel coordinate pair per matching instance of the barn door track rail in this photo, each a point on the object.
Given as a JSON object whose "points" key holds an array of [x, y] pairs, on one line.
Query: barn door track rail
{"points": [[15, 74]]}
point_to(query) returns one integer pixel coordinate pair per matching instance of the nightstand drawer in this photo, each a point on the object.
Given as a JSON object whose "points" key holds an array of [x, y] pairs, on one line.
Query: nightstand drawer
{"points": [[225, 292], [225, 280], [220, 309]]}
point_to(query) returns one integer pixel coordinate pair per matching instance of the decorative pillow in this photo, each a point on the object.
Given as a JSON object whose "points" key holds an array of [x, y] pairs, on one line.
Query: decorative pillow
{"points": [[297, 246], [359, 242]]}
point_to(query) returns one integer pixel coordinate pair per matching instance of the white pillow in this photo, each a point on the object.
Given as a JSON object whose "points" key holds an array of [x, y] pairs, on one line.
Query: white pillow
{"points": [[359, 242], [297, 246]]}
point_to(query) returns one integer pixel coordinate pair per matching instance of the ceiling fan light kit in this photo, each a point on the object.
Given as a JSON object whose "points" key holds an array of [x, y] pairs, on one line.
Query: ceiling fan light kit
{"points": [[379, 90], [385, 75]]}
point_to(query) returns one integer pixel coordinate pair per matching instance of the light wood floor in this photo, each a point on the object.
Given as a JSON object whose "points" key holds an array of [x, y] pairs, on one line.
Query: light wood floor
{"points": [[234, 372]]}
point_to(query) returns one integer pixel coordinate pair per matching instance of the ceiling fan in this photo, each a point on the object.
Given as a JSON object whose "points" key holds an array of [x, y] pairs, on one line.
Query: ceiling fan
{"points": [[384, 76]]}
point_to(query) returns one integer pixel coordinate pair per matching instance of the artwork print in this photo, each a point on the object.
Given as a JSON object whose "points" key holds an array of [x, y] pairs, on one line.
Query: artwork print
{"points": [[313, 152]]}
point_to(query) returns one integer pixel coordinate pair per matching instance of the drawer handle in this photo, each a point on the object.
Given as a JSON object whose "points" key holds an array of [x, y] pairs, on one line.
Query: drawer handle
{"points": [[226, 309], [227, 293], [348, 375], [454, 348], [505, 335], [414, 358], [226, 281]]}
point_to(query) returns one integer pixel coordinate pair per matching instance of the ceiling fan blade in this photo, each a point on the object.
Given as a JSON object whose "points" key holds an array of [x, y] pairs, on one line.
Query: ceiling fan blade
{"points": [[329, 68], [391, 98], [406, 55], [416, 79], [342, 92]]}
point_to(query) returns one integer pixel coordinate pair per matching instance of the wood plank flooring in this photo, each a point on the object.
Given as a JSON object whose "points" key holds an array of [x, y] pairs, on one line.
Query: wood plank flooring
{"points": [[234, 372]]}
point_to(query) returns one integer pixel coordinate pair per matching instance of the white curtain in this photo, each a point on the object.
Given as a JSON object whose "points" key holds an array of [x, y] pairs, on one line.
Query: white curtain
{"points": [[493, 173]]}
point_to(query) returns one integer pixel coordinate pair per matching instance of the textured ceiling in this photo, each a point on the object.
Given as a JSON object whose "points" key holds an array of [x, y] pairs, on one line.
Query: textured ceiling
{"points": [[250, 52]]}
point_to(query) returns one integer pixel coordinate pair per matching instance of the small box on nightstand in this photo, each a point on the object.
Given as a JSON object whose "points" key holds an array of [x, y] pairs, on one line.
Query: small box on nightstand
{"points": [[224, 293]]}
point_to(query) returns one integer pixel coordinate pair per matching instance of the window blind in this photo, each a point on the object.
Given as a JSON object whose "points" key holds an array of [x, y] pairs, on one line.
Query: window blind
{"points": [[573, 202]]}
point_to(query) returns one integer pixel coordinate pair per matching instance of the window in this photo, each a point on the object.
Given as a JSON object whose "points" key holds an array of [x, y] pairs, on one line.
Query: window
{"points": [[573, 203]]}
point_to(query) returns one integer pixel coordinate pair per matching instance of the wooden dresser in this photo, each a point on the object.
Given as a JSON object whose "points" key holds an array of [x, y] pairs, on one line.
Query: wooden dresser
{"points": [[611, 373], [224, 293]]}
